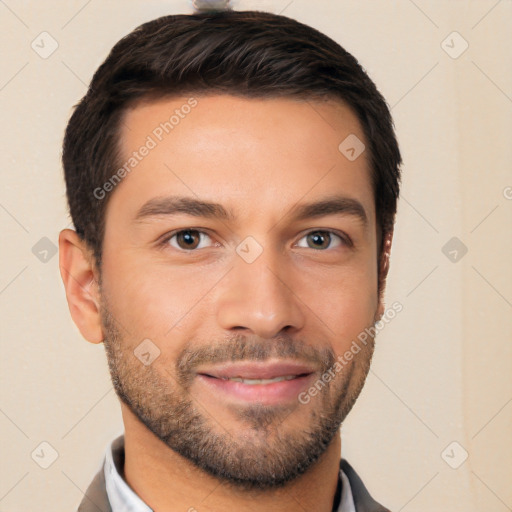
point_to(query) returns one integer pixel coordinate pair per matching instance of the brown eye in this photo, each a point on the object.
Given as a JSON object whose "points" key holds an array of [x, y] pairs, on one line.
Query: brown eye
{"points": [[320, 240], [187, 239]]}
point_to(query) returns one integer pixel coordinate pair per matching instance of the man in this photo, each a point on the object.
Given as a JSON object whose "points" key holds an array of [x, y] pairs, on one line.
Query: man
{"points": [[233, 180]]}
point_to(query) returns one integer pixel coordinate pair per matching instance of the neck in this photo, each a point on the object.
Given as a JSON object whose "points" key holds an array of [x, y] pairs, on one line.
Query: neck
{"points": [[167, 481]]}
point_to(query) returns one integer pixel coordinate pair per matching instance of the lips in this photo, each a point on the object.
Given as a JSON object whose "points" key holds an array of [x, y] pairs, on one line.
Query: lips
{"points": [[269, 382], [262, 371]]}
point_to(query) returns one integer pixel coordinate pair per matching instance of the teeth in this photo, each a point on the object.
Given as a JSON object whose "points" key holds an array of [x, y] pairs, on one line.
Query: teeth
{"points": [[260, 381]]}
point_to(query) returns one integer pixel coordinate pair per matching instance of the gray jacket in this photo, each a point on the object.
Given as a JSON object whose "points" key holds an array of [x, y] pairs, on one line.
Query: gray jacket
{"points": [[96, 499]]}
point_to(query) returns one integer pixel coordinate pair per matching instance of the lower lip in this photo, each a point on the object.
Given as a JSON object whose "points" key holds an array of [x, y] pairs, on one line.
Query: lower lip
{"points": [[269, 394]]}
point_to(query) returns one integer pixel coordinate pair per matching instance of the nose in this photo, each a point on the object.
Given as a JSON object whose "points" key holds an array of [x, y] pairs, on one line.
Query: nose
{"points": [[258, 297]]}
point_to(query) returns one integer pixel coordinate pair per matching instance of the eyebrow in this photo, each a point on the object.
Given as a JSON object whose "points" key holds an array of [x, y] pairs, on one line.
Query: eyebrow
{"points": [[334, 205], [172, 205]]}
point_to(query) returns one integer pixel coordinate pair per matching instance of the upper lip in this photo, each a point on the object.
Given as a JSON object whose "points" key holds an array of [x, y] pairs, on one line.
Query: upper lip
{"points": [[257, 370]]}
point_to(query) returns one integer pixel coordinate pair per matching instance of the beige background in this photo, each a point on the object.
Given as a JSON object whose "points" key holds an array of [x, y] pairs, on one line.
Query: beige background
{"points": [[443, 367]]}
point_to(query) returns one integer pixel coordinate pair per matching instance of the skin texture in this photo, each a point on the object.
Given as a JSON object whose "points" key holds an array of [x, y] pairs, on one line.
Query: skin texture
{"points": [[302, 299]]}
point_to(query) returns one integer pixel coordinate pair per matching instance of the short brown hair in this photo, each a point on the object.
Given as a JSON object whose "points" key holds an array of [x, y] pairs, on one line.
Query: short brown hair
{"points": [[250, 54]]}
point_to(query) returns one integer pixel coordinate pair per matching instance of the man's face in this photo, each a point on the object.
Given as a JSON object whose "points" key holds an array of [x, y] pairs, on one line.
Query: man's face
{"points": [[248, 309]]}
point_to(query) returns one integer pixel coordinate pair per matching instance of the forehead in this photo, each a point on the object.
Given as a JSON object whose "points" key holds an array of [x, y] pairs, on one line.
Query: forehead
{"points": [[254, 155]]}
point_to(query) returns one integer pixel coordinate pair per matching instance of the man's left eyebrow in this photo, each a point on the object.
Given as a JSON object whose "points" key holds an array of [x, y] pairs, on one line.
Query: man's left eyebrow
{"points": [[335, 205]]}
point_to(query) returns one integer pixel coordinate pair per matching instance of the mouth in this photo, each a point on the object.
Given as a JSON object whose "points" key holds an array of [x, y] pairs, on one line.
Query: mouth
{"points": [[253, 382], [269, 383]]}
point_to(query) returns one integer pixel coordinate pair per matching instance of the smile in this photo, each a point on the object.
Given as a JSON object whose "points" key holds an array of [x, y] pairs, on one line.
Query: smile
{"points": [[270, 383], [252, 382]]}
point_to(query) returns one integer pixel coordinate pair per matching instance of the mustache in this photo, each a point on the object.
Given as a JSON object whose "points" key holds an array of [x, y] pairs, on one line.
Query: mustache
{"points": [[244, 348]]}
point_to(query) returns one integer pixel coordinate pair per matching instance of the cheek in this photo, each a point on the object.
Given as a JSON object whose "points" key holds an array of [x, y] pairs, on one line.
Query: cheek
{"points": [[346, 302], [154, 301]]}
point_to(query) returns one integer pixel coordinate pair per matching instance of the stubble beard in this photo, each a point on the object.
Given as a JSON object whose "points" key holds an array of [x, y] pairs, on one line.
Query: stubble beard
{"points": [[266, 447]]}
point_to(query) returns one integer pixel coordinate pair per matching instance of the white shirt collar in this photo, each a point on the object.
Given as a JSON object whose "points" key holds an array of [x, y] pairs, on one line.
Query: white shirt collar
{"points": [[121, 496], [347, 500], [123, 499]]}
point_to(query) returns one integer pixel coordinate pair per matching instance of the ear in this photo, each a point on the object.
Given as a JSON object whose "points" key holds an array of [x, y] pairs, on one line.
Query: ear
{"points": [[80, 278], [383, 270]]}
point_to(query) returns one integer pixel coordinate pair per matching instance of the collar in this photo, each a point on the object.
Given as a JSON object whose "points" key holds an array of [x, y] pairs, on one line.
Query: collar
{"points": [[120, 494]]}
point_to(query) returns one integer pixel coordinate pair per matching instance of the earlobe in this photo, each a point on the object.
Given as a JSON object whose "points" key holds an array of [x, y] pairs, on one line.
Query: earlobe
{"points": [[80, 279], [383, 270]]}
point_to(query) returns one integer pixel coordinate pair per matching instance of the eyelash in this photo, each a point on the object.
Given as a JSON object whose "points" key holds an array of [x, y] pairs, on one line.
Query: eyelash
{"points": [[344, 240]]}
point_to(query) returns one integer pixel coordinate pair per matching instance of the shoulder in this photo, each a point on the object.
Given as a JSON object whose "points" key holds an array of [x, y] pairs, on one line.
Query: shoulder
{"points": [[362, 498], [96, 498]]}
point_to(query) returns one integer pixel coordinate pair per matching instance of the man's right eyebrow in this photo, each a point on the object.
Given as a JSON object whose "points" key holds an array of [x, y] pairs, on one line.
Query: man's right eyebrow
{"points": [[172, 205]]}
